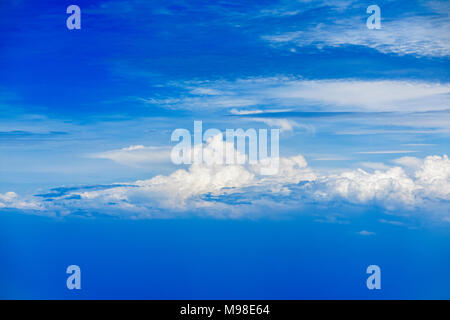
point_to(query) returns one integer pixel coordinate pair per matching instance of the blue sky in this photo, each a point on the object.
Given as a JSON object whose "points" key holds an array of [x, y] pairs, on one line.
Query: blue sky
{"points": [[86, 118]]}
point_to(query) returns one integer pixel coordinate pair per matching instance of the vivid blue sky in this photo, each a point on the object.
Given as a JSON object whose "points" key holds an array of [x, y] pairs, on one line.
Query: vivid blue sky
{"points": [[86, 118]]}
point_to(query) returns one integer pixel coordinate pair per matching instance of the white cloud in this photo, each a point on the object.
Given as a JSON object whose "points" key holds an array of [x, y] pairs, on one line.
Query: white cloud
{"points": [[421, 185], [418, 144], [360, 186], [12, 200], [183, 189], [176, 189], [386, 152], [393, 187], [7, 198], [365, 95], [137, 155], [393, 222], [206, 92], [285, 125], [257, 111], [244, 95], [331, 158], [411, 123], [434, 177], [411, 162], [416, 35], [366, 233], [375, 165]]}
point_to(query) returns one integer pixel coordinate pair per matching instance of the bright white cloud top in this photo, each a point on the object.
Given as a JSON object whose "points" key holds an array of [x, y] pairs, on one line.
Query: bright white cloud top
{"points": [[234, 190]]}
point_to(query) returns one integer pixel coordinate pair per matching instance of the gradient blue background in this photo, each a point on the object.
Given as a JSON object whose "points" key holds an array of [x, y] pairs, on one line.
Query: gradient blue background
{"points": [[216, 259], [66, 93]]}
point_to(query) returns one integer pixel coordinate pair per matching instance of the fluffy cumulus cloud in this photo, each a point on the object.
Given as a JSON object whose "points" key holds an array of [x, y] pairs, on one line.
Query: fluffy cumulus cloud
{"points": [[418, 185], [12, 200], [184, 189], [221, 189]]}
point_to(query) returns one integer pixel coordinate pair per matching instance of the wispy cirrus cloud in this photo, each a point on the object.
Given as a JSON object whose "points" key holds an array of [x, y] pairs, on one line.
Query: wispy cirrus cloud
{"points": [[386, 152], [366, 233], [285, 125], [421, 35], [254, 95], [258, 111], [137, 155]]}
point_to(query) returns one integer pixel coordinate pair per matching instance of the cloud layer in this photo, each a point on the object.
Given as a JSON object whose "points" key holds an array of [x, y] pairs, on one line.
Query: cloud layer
{"points": [[428, 180], [137, 155], [419, 35], [243, 96], [239, 189]]}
